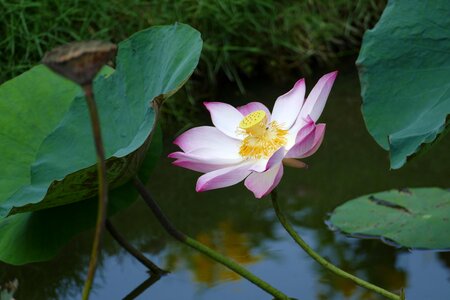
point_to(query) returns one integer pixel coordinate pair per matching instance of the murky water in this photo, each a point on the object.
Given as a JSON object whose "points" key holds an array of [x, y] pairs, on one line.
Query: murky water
{"points": [[230, 220]]}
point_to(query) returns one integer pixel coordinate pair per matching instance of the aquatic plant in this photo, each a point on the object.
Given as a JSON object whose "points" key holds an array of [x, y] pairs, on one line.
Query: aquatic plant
{"points": [[250, 143], [49, 166]]}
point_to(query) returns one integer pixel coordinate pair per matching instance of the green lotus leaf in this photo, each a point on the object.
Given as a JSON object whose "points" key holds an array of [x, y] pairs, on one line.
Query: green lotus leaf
{"points": [[404, 69], [414, 218], [39, 235], [46, 146]]}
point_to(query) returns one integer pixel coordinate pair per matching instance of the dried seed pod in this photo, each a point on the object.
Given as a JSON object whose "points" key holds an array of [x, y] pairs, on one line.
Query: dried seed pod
{"points": [[80, 61]]}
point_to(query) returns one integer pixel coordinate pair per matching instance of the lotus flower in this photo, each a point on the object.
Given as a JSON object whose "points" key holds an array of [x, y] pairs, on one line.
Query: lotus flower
{"points": [[250, 143]]}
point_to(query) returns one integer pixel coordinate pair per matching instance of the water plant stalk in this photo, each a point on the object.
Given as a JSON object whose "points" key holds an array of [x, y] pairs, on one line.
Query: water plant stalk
{"points": [[145, 285], [180, 236], [322, 261], [102, 189], [153, 268]]}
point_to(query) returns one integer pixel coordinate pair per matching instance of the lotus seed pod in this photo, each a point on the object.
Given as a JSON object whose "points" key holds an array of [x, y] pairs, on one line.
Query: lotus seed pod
{"points": [[80, 61]]}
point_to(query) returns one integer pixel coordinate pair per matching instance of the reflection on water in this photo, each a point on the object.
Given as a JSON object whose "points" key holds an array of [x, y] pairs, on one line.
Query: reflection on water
{"points": [[225, 239], [228, 242], [231, 221]]}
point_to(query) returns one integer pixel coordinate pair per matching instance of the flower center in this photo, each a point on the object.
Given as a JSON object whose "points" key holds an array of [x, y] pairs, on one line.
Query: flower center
{"points": [[262, 139]]}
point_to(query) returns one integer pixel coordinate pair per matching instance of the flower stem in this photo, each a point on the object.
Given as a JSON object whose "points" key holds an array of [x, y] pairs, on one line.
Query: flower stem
{"points": [[102, 189], [322, 261], [174, 232], [154, 269]]}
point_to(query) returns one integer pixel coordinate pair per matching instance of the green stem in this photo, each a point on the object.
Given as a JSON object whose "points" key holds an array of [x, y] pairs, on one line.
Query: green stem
{"points": [[142, 287], [322, 261], [174, 232], [102, 190]]}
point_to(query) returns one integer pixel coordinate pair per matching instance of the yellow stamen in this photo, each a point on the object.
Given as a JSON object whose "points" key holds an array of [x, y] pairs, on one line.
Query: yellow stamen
{"points": [[262, 139], [254, 123]]}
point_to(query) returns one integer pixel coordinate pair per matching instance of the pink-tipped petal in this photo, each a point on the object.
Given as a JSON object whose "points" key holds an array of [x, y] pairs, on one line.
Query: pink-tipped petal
{"points": [[300, 123], [276, 158], [225, 117], [262, 184], [303, 142], [308, 126], [253, 106], [200, 166], [207, 137], [223, 177], [318, 96], [287, 107], [262, 165], [206, 155], [318, 138]]}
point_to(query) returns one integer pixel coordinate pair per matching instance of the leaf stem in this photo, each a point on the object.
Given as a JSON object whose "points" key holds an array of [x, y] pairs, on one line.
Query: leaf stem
{"points": [[146, 284], [322, 261], [102, 189], [174, 232], [154, 269]]}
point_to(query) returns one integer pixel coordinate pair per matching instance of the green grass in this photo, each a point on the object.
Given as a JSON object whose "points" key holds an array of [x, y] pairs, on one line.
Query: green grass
{"points": [[242, 38]]}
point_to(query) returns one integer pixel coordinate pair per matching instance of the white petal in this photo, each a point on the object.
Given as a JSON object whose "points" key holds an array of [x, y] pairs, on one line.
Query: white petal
{"points": [[262, 184], [317, 98], [201, 166], [318, 138], [304, 141], [264, 164], [225, 117], [287, 107], [210, 138], [205, 154], [299, 125], [223, 177]]}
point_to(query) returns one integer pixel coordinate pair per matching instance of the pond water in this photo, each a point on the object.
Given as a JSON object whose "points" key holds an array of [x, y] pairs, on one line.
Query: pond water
{"points": [[230, 220]]}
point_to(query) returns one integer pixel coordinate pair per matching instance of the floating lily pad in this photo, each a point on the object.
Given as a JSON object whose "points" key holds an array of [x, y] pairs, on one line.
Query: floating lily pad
{"points": [[413, 218], [46, 148], [40, 235], [404, 68]]}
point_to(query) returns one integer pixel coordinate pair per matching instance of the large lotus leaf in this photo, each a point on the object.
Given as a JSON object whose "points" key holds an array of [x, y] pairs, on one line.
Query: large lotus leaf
{"points": [[404, 69], [46, 146], [413, 218], [40, 235]]}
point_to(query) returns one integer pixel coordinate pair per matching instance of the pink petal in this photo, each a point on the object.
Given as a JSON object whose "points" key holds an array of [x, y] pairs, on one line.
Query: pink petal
{"points": [[206, 155], [308, 142], [292, 135], [200, 166], [287, 106], [303, 142], [206, 137], [276, 158], [262, 184], [317, 98], [318, 138], [253, 106], [225, 117], [262, 165], [223, 177]]}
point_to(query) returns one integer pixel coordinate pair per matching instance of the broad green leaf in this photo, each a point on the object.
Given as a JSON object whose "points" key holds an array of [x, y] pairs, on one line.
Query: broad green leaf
{"points": [[40, 235], [404, 69], [413, 218], [46, 147]]}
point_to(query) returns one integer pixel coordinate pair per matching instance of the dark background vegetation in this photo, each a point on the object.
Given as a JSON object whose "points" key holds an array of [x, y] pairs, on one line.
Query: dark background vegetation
{"points": [[242, 38]]}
